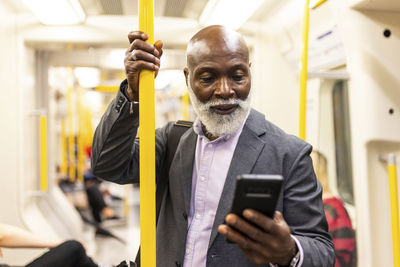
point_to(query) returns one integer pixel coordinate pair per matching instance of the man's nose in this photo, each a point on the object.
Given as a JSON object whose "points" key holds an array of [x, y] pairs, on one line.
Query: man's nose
{"points": [[224, 89]]}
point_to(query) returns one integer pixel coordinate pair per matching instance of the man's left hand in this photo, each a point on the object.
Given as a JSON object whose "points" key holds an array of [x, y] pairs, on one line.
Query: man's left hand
{"points": [[272, 244]]}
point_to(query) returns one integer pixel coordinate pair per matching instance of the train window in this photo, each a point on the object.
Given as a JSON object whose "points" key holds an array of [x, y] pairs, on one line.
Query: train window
{"points": [[341, 124]]}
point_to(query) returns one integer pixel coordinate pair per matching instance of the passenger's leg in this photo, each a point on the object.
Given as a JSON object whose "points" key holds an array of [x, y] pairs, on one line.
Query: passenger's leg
{"points": [[96, 201], [68, 254]]}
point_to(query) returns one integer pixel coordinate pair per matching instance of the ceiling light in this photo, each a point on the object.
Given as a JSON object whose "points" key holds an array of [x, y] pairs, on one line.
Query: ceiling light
{"points": [[56, 12], [230, 13], [87, 77], [286, 16]]}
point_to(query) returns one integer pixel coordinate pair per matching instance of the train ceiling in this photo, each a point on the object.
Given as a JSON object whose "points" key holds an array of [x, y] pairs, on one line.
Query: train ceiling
{"points": [[167, 8]]}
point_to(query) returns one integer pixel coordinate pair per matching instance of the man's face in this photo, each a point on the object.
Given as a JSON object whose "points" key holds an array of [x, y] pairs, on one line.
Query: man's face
{"points": [[219, 81], [219, 70]]}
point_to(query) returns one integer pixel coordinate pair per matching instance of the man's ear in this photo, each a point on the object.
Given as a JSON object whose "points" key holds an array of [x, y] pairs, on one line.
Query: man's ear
{"points": [[186, 72]]}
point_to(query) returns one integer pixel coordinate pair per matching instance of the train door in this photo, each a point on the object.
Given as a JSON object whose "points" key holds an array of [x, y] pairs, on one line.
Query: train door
{"points": [[328, 130]]}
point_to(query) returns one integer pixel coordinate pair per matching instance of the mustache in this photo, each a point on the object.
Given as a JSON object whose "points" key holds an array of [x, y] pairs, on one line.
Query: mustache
{"points": [[218, 102]]}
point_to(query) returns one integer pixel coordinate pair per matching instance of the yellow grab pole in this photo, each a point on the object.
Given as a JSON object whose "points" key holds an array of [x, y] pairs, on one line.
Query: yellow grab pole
{"points": [[394, 208], [71, 137], [185, 106], [43, 153], [147, 147], [127, 191], [63, 167], [80, 144], [303, 73], [318, 3]]}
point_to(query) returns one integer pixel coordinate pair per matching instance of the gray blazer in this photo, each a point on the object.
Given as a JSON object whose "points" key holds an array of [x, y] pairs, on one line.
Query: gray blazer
{"points": [[262, 149]]}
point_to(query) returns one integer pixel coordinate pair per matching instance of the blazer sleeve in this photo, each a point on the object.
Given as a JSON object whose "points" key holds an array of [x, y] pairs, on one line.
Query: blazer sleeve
{"points": [[304, 213], [115, 149]]}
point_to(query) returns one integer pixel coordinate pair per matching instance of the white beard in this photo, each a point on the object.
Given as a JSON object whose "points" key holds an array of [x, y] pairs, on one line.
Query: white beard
{"points": [[216, 124]]}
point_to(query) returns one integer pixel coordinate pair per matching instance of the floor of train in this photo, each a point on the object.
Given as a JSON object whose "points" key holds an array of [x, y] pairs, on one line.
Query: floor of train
{"points": [[109, 250]]}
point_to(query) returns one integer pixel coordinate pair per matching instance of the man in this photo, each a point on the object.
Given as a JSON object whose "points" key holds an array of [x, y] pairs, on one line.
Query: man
{"points": [[227, 139]]}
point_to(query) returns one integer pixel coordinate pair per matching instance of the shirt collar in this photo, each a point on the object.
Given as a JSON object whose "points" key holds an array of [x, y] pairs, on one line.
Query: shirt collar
{"points": [[199, 130]]}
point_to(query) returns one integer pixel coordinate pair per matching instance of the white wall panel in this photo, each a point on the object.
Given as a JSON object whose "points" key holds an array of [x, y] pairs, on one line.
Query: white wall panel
{"points": [[373, 61], [9, 111], [275, 84]]}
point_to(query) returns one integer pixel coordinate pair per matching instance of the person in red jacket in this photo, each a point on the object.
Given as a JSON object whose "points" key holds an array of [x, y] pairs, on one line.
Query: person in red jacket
{"points": [[339, 222]]}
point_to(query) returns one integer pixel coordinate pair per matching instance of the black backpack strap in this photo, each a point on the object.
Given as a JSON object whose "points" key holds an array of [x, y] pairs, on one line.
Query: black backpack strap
{"points": [[179, 128], [174, 136]]}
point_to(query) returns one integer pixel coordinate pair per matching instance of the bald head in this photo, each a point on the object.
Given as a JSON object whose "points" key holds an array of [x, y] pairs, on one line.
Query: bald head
{"points": [[213, 39]]}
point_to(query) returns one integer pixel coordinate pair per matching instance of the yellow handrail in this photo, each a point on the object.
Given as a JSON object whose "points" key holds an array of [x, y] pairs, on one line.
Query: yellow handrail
{"points": [[185, 107], [303, 73], [63, 167], [43, 153], [127, 191], [80, 140], [318, 3], [147, 147], [71, 136], [394, 208]]}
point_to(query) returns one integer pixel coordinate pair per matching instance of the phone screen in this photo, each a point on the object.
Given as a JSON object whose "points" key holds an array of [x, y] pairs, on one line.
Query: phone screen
{"points": [[259, 192]]}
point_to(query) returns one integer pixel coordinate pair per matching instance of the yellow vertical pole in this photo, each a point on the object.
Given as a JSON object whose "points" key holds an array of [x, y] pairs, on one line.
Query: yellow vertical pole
{"points": [[43, 153], [88, 127], [71, 137], [394, 208], [303, 73], [185, 106], [147, 147], [63, 167], [80, 138], [127, 191], [318, 3]]}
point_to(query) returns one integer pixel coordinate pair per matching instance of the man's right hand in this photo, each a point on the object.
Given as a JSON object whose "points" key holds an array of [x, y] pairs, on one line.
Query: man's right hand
{"points": [[144, 57]]}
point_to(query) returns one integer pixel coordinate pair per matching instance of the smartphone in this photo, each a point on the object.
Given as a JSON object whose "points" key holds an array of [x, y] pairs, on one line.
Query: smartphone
{"points": [[259, 192]]}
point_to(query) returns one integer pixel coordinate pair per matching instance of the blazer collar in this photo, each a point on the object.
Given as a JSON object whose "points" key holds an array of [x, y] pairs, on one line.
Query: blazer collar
{"points": [[246, 153]]}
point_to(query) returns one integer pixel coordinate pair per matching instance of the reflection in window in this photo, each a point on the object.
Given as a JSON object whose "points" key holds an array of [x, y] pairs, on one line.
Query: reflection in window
{"points": [[341, 123]]}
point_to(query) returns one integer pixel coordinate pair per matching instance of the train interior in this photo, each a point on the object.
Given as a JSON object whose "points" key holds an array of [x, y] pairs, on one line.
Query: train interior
{"points": [[57, 81]]}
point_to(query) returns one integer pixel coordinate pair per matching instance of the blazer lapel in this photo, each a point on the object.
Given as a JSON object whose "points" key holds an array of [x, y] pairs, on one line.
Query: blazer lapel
{"points": [[246, 153]]}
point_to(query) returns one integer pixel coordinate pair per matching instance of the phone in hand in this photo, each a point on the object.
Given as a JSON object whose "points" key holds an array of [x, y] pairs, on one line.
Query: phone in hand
{"points": [[259, 192]]}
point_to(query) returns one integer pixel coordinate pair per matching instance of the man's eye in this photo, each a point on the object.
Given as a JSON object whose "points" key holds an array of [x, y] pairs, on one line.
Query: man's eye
{"points": [[207, 79], [238, 78]]}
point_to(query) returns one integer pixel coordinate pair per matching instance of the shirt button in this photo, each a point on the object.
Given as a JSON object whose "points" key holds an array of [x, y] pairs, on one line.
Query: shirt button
{"points": [[202, 178], [198, 216], [188, 251]]}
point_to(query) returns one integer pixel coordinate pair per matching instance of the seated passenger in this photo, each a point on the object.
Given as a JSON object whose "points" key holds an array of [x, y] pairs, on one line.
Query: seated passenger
{"points": [[61, 254], [97, 204], [339, 222], [227, 139], [93, 198]]}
